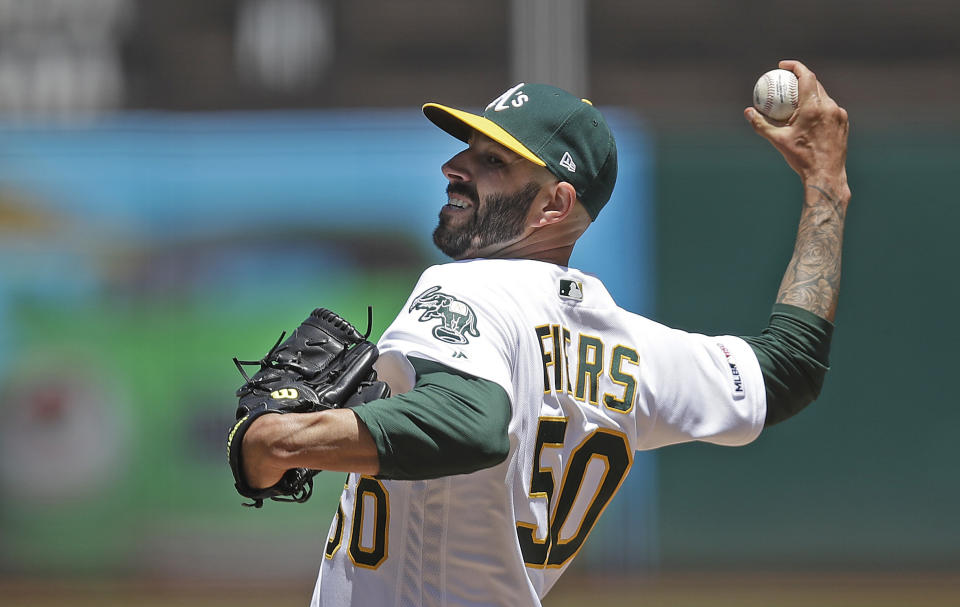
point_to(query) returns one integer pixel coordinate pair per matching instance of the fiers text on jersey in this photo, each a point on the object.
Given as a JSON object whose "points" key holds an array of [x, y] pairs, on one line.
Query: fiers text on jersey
{"points": [[612, 370]]}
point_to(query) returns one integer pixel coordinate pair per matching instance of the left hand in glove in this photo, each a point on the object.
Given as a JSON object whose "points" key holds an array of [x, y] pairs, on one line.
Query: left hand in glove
{"points": [[325, 364]]}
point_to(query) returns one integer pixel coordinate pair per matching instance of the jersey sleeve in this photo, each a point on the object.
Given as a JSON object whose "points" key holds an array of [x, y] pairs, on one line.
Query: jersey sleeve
{"points": [[794, 355], [698, 388], [452, 318], [451, 423]]}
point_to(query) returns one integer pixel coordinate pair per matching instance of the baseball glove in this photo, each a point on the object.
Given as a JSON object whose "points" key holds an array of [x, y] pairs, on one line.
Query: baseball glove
{"points": [[325, 364]]}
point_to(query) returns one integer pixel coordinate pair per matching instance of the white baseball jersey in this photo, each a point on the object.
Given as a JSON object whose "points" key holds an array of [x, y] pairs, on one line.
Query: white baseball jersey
{"points": [[589, 384]]}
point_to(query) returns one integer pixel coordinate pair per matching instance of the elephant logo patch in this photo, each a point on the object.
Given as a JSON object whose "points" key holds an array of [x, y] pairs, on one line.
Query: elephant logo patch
{"points": [[457, 319]]}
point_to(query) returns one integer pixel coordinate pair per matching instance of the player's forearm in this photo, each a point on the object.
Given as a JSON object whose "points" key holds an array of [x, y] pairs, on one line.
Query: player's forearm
{"points": [[812, 279], [325, 440]]}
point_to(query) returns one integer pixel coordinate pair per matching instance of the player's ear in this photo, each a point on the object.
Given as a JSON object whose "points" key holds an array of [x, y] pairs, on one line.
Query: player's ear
{"points": [[559, 200]]}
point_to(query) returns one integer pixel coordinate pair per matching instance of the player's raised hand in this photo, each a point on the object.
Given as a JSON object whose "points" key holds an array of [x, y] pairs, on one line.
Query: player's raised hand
{"points": [[813, 140]]}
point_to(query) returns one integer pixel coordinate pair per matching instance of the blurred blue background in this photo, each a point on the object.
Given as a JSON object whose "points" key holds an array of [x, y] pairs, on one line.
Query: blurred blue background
{"points": [[180, 181], [171, 244]]}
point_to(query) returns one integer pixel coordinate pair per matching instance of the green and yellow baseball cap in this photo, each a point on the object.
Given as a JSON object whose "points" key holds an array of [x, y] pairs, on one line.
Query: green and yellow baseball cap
{"points": [[549, 127]]}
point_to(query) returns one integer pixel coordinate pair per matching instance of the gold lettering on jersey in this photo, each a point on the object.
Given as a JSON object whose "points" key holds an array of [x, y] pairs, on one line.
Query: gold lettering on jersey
{"points": [[566, 359], [622, 354], [544, 331], [589, 368], [558, 365], [612, 373]]}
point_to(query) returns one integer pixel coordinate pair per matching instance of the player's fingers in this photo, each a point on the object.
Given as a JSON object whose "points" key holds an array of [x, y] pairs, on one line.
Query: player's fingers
{"points": [[761, 124], [828, 106], [797, 67], [807, 84], [821, 93]]}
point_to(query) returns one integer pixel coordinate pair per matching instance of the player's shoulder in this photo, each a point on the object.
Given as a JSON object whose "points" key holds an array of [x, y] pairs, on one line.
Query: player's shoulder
{"points": [[524, 282], [474, 282], [474, 267], [485, 275]]}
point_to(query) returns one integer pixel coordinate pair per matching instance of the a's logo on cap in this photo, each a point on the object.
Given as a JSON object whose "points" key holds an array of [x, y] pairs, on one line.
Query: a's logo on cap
{"points": [[568, 163], [500, 103]]}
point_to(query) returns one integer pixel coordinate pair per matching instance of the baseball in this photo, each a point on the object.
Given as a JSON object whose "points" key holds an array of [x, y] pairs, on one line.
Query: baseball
{"points": [[776, 94]]}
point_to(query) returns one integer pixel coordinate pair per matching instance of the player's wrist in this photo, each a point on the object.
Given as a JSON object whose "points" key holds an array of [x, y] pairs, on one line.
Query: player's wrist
{"points": [[262, 456], [828, 183]]}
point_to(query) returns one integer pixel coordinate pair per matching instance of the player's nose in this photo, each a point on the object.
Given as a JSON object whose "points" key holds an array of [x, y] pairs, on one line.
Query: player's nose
{"points": [[455, 169]]}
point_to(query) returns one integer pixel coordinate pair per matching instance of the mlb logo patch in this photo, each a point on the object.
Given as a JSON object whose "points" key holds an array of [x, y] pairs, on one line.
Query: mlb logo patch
{"points": [[571, 289]]}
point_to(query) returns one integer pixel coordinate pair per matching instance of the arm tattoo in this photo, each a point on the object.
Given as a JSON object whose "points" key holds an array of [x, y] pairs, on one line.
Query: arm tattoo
{"points": [[812, 280]]}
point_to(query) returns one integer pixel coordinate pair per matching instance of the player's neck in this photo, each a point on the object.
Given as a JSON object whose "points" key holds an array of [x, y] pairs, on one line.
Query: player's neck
{"points": [[559, 255], [550, 244]]}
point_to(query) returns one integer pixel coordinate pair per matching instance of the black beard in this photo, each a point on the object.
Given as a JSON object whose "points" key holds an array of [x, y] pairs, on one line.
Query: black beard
{"points": [[503, 218]]}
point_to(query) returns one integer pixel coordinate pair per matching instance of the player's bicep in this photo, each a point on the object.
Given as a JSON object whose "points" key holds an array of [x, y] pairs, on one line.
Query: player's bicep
{"points": [[699, 388], [450, 423]]}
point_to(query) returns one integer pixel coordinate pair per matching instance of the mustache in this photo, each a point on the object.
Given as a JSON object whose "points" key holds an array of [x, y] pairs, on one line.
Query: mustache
{"points": [[463, 189]]}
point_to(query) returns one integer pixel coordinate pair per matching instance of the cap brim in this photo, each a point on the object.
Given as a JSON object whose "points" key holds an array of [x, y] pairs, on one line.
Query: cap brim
{"points": [[460, 124]]}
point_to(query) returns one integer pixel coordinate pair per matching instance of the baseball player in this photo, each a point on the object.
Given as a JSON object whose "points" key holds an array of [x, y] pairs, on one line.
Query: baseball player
{"points": [[521, 391]]}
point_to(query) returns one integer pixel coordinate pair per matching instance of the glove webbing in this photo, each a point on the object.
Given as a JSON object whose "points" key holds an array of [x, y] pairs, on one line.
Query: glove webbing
{"points": [[330, 322]]}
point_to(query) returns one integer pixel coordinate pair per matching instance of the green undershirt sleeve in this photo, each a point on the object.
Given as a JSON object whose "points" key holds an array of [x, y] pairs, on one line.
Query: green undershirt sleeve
{"points": [[450, 423], [793, 352]]}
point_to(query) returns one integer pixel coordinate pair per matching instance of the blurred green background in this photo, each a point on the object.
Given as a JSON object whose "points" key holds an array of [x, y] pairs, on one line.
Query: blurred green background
{"points": [[179, 182], [866, 477]]}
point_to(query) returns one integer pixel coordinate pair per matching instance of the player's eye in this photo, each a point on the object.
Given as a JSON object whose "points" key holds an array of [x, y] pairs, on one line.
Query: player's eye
{"points": [[493, 160]]}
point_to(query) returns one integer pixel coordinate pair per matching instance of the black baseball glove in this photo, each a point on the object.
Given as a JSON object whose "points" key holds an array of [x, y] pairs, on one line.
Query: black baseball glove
{"points": [[325, 364]]}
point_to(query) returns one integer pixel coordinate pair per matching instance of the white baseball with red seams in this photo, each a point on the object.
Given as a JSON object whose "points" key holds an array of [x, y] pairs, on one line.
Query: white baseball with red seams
{"points": [[776, 94]]}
